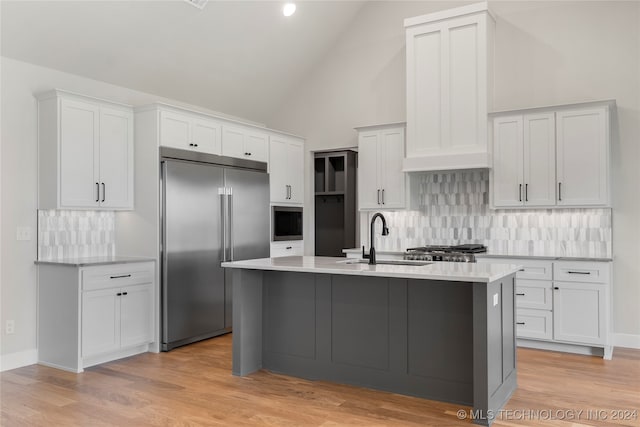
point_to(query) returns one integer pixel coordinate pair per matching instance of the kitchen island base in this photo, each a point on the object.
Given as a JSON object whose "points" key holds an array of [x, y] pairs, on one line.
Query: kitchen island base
{"points": [[444, 340]]}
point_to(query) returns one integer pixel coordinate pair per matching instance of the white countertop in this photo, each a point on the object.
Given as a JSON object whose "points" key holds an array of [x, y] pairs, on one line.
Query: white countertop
{"points": [[92, 261], [450, 271], [549, 255]]}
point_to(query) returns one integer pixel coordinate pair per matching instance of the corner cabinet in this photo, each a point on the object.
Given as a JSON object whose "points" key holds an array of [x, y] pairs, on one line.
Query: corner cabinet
{"points": [[381, 181], [93, 314], [552, 157], [85, 153], [286, 168], [449, 88]]}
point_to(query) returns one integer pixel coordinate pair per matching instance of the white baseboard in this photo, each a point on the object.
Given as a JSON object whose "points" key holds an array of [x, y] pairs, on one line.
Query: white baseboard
{"points": [[626, 340], [18, 359]]}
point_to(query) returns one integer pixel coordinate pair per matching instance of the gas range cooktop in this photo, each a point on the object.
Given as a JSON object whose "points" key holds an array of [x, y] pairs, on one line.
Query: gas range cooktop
{"points": [[459, 253]]}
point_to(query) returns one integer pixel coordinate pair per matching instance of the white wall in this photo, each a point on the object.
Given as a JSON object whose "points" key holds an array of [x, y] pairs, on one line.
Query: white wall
{"points": [[19, 81], [546, 53]]}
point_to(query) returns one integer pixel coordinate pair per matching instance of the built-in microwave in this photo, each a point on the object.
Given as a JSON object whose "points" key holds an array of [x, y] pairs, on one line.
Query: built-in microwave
{"points": [[286, 223]]}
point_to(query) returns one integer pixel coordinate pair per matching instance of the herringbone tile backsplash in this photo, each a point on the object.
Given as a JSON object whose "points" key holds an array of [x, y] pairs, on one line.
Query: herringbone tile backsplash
{"points": [[453, 208], [74, 234]]}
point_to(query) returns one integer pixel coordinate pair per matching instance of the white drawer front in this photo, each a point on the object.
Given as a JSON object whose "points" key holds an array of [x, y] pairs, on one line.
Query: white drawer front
{"points": [[536, 294], [581, 271], [116, 275], [289, 248], [531, 268], [534, 324]]}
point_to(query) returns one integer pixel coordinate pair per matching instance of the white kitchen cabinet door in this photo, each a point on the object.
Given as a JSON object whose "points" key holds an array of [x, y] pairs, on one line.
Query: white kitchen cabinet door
{"points": [[539, 159], [508, 173], [579, 312], [233, 142], [136, 315], [583, 157], [368, 179], [390, 156], [79, 146], [279, 170], [205, 136], [296, 171], [255, 146], [100, 321], [116, 159], [175, 130]]}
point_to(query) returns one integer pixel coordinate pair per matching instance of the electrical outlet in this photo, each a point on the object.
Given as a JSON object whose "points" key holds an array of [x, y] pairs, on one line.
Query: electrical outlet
{"points": [[10, 327], [495, 299], [23, 233]]}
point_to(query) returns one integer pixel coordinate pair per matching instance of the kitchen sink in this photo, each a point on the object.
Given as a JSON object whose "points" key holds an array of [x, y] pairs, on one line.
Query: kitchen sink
{"points": [[386, 262]]}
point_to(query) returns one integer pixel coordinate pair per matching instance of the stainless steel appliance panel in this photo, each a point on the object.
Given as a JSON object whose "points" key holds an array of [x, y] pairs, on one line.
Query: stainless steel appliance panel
{"points": [[249, 213], [193, 281]]}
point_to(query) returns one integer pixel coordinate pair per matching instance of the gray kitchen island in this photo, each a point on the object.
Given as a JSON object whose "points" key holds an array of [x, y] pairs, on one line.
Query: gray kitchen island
{"points": [[443, 331]]}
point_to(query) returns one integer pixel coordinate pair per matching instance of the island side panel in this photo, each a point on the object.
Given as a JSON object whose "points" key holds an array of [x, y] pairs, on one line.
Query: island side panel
{"points": [[494, 362], [440, 340], [289, 316], [247, 321]]}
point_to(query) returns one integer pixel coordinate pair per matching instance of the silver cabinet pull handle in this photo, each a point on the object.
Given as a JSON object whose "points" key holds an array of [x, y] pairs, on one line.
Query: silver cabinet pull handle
{"points": [[378, 196], [383, 196], [520, 323], [526, 192], [122, 276], [97, 192], [520, 295], [578, 272]]}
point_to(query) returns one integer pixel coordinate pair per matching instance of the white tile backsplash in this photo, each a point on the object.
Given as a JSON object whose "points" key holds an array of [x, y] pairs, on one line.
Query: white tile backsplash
{"points": [[75, 234], [453, 208]]}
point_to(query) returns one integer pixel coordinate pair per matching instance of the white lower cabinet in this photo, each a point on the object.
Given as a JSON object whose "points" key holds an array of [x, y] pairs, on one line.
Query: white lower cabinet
{"points": [[287, 248], [562, 303], [93, 314]]}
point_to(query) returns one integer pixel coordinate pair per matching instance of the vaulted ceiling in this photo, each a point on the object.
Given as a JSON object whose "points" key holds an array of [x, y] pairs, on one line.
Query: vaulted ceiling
{"points": [[238, 57]]}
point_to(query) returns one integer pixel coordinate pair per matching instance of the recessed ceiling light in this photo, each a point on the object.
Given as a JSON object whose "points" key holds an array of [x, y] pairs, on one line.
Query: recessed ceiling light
{"points": [[289, 9]]}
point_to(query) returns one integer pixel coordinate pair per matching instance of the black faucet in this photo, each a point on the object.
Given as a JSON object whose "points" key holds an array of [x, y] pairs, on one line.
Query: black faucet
{"points": [[385, 232]]}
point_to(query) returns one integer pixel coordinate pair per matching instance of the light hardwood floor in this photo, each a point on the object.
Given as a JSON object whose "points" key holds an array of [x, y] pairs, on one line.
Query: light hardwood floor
{"points": [[193, 386]]}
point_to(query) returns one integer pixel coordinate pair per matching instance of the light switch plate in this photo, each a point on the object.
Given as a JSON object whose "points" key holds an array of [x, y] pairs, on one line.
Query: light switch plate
{"points": [[23, 233], [495, 299]]}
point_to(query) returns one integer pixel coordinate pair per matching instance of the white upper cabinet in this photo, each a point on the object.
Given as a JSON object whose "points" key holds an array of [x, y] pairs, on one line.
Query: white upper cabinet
{"points": [[552, 157], [85, 153], [381, 181], [189, 132], [243, 143], [583, 156], [286, 164], [524, 160], [449, 88]]}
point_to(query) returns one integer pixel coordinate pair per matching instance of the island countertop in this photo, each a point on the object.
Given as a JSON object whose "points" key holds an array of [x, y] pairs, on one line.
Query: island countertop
{"points": [[447, 271]]}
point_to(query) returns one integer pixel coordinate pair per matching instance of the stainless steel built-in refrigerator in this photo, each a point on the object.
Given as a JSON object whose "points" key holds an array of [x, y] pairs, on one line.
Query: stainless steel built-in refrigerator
{"points": [[214, 209]]}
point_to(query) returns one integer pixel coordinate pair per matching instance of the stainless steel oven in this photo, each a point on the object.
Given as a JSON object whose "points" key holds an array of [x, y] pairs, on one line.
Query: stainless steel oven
{"points": [[286, 223]]}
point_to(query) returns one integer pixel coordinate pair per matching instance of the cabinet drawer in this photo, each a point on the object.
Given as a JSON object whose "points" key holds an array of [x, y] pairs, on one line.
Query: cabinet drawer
{"points": [[581, 271], [287, 248], [117, 275], [534, 294], [531, 268], [534, 324]]}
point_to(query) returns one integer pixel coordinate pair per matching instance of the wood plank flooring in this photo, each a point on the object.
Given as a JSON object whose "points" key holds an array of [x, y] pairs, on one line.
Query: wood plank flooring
{"points": [[193, 386]]}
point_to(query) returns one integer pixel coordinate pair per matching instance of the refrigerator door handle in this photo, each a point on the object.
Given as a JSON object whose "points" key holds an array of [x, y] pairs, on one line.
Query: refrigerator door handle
{"points": [[230, 221], [223, 221]]}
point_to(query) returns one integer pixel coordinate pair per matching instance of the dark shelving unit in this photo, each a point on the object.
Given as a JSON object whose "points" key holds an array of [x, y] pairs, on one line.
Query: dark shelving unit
{"points": [[335, 202]]}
